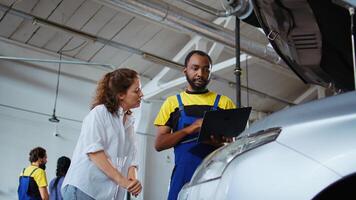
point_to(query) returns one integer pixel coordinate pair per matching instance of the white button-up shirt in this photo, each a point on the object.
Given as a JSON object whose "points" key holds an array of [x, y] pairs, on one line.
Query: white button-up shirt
{"points": [[102, 130]]}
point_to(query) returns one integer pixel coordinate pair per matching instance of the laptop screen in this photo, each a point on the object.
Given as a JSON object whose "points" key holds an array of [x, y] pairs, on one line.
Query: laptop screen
{"points": [[228, 123]]}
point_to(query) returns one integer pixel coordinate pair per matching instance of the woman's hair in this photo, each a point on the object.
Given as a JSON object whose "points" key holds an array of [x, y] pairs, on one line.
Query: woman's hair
{"points": [[36, 154], [112, 84], [63, 164]]}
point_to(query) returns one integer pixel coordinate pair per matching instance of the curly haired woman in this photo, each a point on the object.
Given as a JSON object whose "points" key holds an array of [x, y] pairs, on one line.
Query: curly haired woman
{"points": [[104, 161]]}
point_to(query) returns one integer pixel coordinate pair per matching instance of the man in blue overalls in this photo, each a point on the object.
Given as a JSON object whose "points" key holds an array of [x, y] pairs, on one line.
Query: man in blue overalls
{"points": [[33, 179], [180, 118]]}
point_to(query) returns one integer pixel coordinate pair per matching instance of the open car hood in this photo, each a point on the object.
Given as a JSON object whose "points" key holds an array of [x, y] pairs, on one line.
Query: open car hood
{"points": [[312, 37]]}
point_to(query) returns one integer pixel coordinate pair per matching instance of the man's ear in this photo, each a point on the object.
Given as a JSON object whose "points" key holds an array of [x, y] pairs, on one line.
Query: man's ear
{"points": [[185, 70]]}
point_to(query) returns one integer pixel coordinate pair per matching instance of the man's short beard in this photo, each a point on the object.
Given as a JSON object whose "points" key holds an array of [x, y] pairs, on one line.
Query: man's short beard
{"points": [[42, 166], [195, 87]]}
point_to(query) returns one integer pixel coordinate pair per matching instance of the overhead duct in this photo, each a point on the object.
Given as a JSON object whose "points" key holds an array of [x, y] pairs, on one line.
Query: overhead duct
{"points": [[89, 37], [240, 8], [76, 62], [181, 20]]}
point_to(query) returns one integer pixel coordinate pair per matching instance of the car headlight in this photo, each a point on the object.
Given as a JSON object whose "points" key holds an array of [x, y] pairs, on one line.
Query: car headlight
{"points": [[214, 165]]}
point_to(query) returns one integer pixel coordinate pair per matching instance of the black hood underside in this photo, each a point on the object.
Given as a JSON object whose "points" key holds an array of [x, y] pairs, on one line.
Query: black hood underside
{"points": [[311, 36]]}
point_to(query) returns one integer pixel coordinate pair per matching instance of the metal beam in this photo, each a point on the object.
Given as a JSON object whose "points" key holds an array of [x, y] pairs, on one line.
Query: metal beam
{"points": [[157, 90], [313, 92], [47, 52], [161, 88], [75, 62], [215, 51], [180, 20], [89, 37], [55, 54]]}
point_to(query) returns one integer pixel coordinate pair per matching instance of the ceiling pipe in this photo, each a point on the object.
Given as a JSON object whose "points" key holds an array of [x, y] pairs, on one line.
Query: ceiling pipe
{"points": [[145, 55], [241, 10], [110, 67], [238, 70], [87, 36], [36, 112], [181, 20]]}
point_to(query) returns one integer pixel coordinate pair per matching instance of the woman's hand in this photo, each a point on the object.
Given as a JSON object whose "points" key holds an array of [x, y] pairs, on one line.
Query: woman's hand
{"points": [[134, 187]]}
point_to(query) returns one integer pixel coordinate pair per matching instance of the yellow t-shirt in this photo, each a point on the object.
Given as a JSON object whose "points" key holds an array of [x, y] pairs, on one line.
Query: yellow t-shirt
{"points": [[194, 105], [39, 175]]}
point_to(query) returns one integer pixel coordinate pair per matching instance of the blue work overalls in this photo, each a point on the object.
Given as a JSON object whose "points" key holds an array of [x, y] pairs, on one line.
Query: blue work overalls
{"points": [[188, 153], [28, 189]]}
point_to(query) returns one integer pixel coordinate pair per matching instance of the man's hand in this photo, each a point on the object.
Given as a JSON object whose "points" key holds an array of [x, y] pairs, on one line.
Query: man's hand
{"points": [[227, 139], [165, 139], [218, 141], [196, 126]]}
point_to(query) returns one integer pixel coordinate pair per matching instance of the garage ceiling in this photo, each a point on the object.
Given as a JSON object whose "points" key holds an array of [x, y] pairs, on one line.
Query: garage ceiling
{"points": [[272, 86]]}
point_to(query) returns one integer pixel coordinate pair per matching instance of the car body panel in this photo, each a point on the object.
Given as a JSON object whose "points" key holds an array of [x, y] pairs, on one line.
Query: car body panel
{"points": [[203, 191], [274, 171], [316, 147], [339, 105], [325, 124], [255, 175]]}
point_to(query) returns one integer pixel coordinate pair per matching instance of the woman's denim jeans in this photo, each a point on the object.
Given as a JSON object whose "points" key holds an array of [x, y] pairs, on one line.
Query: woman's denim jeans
{"points": [[70, 192]]}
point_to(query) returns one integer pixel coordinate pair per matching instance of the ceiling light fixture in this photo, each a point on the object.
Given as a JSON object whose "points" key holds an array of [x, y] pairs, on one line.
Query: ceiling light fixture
{"points": [[54, 118]]}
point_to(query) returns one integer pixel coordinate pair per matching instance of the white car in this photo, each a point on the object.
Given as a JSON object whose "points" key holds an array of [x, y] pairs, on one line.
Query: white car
{"points": [[304, 152]]}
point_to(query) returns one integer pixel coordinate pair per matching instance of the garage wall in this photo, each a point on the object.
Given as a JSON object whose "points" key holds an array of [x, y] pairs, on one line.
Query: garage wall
{"points": [[158, 165], [20, 132], [27, 93]]}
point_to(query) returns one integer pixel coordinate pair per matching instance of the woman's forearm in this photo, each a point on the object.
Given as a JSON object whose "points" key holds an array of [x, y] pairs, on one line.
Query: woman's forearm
{"points": [[132, 173], [101, 161]]}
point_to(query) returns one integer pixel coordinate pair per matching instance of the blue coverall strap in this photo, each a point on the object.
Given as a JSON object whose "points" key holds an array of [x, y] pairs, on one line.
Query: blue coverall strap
{"points": [[180, 103], [216, 103], [32, 171], [23, 171]]}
